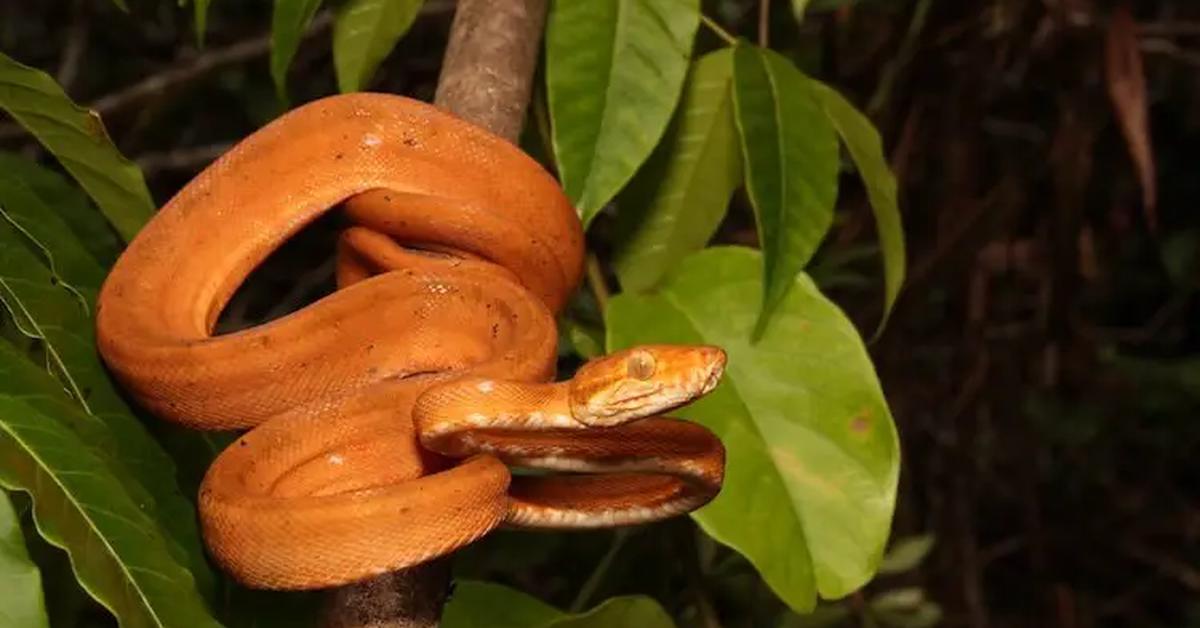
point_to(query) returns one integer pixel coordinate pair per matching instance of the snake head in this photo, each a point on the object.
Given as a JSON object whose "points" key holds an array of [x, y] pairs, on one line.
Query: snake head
{"points": [[642, 382]]}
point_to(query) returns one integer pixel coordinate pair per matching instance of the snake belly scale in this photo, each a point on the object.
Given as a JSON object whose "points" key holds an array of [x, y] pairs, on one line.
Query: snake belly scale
{"points": [[384, 416]]}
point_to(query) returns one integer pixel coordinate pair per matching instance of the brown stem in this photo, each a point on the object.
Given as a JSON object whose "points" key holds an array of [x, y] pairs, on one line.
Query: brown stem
{"points": [[487, 75], [764, 23]]}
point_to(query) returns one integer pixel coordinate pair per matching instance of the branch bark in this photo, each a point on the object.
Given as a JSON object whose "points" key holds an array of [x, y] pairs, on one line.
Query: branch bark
{"points": [[487, 73], [487, 76]]}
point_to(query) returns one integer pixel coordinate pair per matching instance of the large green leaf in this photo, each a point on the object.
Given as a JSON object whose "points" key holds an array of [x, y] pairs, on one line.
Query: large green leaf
{"points": [[614, 70], [65, 199], [364, 32], [812, 453], [46, 307], [23, 605], [69, 262], [117, 552], [288, 23], [678, 199], [76, 136], [791, 160], [486, 605], [866, 149]]}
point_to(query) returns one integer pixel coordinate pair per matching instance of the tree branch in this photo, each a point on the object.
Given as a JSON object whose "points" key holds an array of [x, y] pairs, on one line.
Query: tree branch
{"points": [[487, 73], [181, 73], [487, 76]]}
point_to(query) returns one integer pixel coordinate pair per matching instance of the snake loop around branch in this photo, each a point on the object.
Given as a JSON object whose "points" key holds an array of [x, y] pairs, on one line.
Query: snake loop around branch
{"points": [[382, 416]]}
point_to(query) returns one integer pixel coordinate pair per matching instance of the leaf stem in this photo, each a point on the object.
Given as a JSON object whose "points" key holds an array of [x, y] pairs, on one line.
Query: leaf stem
{"points": [[907, 46], [593, 582], [595, 280], [764, 22], [716, 29]]}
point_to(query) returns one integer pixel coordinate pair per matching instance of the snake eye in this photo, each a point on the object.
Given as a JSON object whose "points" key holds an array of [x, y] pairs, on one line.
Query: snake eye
{"points": [[640, 365]]}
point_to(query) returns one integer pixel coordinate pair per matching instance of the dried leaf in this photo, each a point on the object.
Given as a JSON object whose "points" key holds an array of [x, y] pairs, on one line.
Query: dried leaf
{"points": [[1127, 90]]}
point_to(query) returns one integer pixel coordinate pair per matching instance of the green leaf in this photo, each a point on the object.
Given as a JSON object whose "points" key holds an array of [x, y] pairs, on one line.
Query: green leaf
{"points": [[486, 605], [288, 23], [364, 32], [791, 161], [117, 552], [679, 198], [905, 608], [76, 136], [69, 262], [47, 308], [65, 199], [866, 149], [614, 70], [812, 455], [906, 554], [798, 9], [200, 11], [631, 610], [24, 605], [580, 338]]}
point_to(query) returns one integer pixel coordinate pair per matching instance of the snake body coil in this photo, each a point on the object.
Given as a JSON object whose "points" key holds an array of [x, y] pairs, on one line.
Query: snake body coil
{"points": [[446, 344]]}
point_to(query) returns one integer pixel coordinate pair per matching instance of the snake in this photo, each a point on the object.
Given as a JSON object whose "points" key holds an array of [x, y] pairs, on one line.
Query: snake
{"points": [[414, 409]]}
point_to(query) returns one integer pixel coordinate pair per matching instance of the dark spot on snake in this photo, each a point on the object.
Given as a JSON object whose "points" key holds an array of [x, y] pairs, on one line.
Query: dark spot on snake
{"points": [[242, 443], [339, 156], [495, 329], [53, 280], [387, 198], [408, 141], [370, 348]]}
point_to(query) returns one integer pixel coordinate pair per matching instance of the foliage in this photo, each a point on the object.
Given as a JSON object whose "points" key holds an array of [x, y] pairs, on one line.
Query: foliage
{"points": [[654, 128]]}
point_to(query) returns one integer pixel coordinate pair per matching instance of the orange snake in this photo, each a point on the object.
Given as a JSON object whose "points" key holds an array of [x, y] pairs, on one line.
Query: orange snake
{"points": [[446, 345]]}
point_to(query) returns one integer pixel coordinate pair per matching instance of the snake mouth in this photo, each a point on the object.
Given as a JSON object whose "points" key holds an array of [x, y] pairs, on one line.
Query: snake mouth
{"points": [[712, 376]]}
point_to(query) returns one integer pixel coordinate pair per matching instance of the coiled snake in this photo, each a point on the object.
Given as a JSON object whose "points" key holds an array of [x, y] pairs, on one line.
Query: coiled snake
{"points": [[446, 344]]}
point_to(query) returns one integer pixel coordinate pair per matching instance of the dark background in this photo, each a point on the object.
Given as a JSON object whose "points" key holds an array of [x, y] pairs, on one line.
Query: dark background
{"points": [[1043, 363]]}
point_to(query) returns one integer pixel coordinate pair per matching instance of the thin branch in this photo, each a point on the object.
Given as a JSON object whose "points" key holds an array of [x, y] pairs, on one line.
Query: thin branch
{"points": [[716, 29], [1165, 563], [191, 69], [487, 76], [596, 282], [764, 22], [1169, 29], [1170, 50], [77, 41], [904, 55], [588, 590], [189, 158], [182, 73]]}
